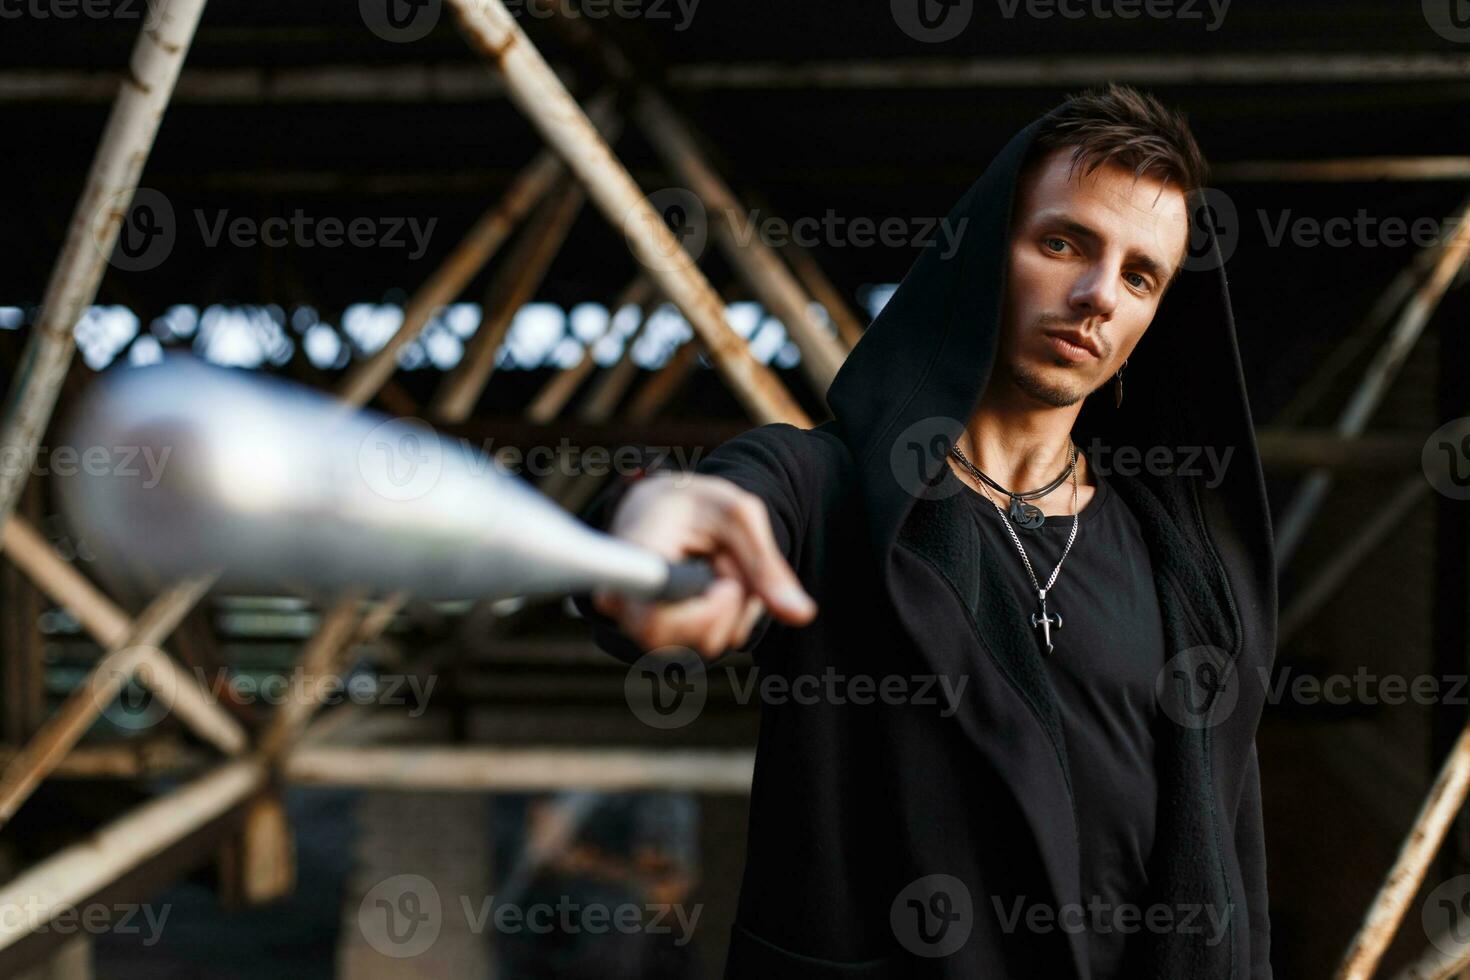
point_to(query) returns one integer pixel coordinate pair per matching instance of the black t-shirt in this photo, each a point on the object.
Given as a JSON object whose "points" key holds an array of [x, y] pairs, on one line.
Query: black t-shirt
{"points": [[1107, 655]]}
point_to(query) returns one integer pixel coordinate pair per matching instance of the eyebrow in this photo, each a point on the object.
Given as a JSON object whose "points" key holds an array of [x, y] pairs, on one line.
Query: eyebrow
{"points": [[1162, 273]]}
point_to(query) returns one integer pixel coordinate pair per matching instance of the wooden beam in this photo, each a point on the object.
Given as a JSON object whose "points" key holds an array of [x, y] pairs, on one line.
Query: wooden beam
{"points": [[437, 82], [138, 651], [1445, 799], [126, 142], [1382, 371], [112, 629], [470, 768], [67, 878], [512, 287], [758, 265], [555, 394], [522, 770], [528, 189], [492, 30]]}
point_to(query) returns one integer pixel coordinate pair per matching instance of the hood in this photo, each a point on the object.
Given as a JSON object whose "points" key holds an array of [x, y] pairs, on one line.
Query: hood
{"points": [[904, 395], [917, 374]]}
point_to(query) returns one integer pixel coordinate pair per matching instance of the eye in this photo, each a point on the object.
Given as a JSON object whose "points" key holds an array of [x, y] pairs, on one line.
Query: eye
{"points": [[1141, 284], [1051, 241]]}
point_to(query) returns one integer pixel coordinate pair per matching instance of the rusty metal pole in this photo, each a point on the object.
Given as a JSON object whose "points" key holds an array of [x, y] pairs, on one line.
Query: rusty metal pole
{"points": [[537, 91], [126, 142]]}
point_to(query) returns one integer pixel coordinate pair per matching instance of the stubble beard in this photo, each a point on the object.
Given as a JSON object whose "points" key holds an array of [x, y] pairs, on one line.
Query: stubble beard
{"points": [[1038, 386]]}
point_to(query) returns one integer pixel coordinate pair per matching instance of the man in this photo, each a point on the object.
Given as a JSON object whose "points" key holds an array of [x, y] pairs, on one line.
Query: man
{"points": [[1088, 805]]}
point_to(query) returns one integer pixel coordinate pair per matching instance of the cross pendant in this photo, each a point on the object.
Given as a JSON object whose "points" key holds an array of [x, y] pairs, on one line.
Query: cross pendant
{"points": [[1045, 622]]}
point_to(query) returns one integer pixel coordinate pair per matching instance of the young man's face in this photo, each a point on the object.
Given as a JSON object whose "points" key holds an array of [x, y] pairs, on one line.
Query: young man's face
{"points": [[1089, 257]]}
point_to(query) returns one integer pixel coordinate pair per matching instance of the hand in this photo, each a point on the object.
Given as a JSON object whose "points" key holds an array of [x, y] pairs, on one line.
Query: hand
{"points": [[692, 515]]}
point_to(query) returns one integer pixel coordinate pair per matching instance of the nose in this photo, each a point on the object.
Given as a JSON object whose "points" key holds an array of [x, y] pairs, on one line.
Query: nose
{"points": [[1095, 293]]}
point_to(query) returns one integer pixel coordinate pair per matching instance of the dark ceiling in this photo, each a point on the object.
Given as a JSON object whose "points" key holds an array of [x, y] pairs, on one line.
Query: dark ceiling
{"points": [[856, 151]]}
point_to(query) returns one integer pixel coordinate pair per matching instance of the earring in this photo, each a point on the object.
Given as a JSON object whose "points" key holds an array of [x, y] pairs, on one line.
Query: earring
{"points": [[1118, 385]]}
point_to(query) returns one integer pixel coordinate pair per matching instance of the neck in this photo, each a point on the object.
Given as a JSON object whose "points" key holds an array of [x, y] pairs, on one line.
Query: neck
{"points": [[1020, 446]]}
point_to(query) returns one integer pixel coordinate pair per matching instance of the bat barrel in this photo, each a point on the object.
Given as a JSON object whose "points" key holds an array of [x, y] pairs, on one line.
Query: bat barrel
{"points": [[283, 487]]}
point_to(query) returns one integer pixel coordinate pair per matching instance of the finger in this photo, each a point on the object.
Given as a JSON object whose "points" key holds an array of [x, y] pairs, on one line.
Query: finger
{"points": [[744, 528], [701, 622], [754, 610]]}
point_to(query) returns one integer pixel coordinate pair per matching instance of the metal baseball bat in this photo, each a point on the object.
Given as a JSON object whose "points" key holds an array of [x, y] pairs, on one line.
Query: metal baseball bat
{"points": [[184, 467]]}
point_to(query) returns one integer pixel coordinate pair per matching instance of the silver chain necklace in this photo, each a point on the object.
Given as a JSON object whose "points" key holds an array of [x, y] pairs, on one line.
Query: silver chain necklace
{"points": [[1041, 619]]}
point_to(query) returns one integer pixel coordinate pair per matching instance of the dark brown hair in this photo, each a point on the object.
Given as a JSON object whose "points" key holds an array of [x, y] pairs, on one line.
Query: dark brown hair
{"points": [[1122, 126]]}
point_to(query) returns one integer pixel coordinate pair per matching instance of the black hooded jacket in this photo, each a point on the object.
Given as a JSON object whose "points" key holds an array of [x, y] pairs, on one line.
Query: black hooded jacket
{"points": [[864, 818]]}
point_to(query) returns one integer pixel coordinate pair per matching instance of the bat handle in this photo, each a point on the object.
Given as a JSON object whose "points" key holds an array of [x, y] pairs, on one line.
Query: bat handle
{"points": [[686, 580]]}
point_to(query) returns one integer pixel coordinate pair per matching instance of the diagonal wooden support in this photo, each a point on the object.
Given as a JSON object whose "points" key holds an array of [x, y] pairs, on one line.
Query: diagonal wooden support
{"points": [[530, 186], [555, 394], [1445, 799], [138, 653], [113, 630], [810, 272], [537, 91], [343, 627], [513, 286], [126, 142], [66, 879], [1380, 375], [756, 262], [1447, 957]]}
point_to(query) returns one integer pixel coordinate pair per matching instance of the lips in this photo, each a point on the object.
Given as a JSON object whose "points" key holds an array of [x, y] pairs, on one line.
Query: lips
{"points": [[1074, 342]]}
